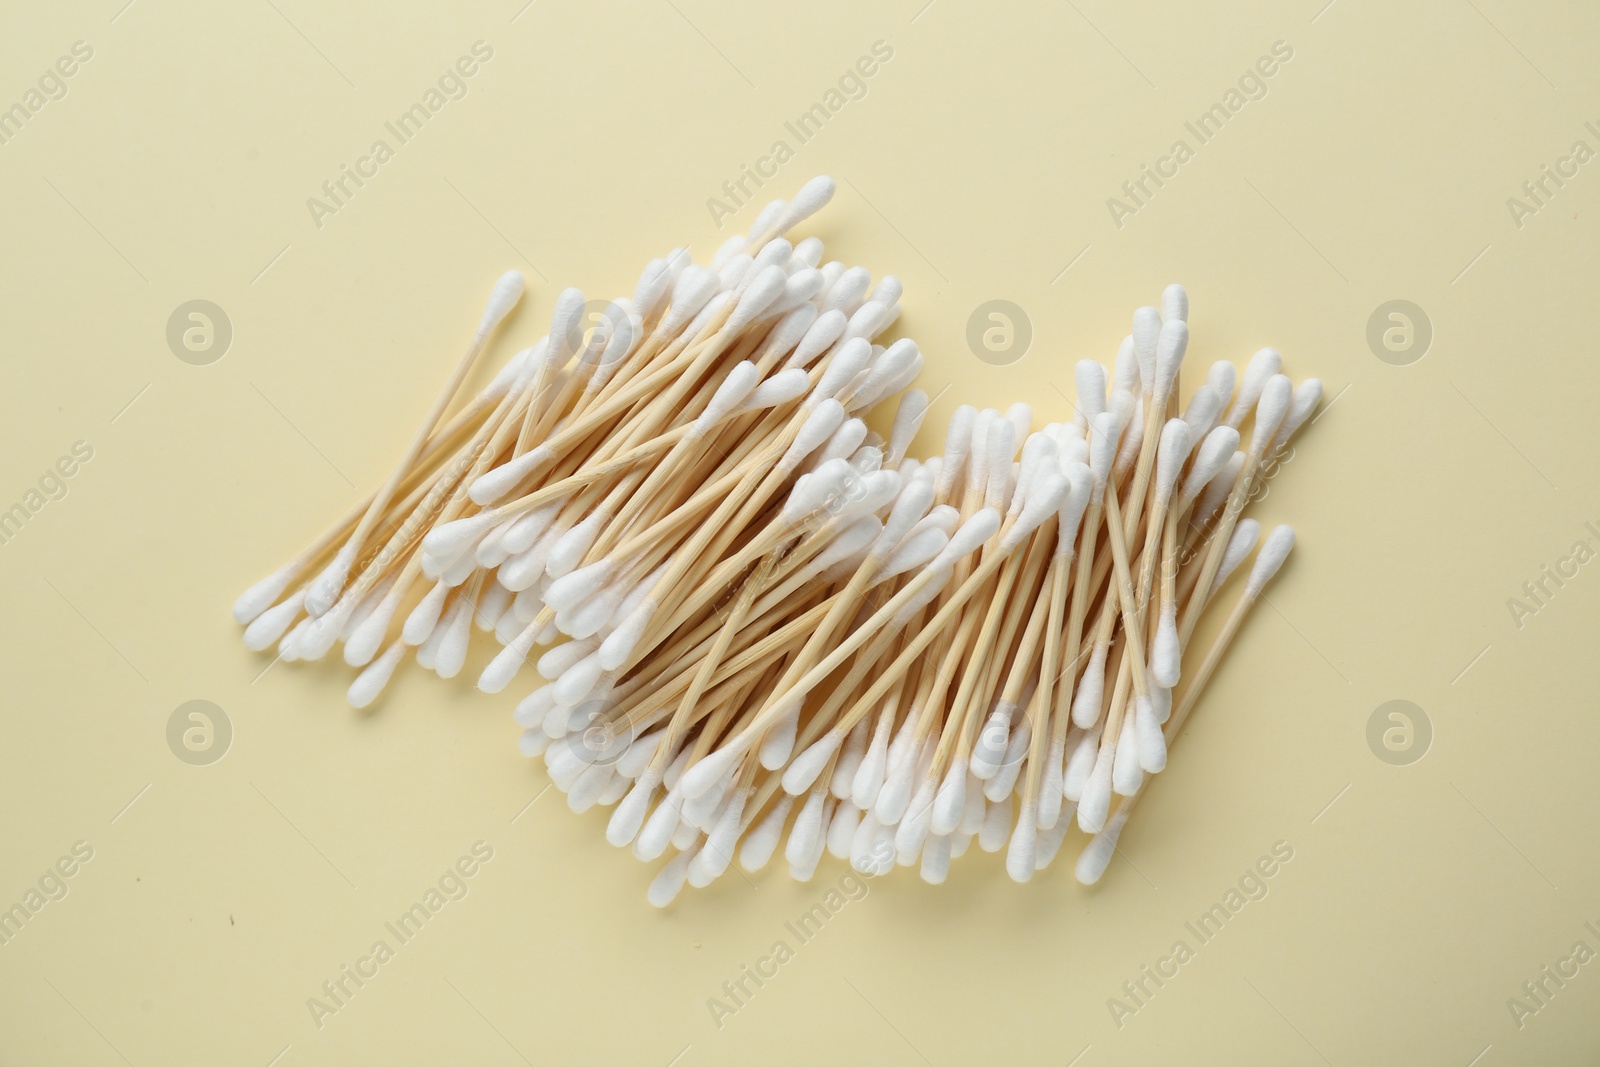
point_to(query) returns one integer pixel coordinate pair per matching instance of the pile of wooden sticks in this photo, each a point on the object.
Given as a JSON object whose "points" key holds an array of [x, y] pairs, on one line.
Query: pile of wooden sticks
{"points": [[758, 615]]}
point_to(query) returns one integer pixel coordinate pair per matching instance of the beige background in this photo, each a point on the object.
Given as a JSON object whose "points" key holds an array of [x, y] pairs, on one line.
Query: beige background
{"points": [[977, 166]]}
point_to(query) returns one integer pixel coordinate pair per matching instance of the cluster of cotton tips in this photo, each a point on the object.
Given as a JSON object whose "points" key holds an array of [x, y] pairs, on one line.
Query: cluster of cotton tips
{"points": [[747, 613]]}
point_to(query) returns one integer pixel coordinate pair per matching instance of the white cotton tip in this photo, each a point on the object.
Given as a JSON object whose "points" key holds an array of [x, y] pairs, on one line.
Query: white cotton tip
{"points": [[762, 840], [507, 291], [574, 587], [885, 372], [1126, 774], [914, 824], [1166, 655], [895, 795], [1043, 500], [935, 867], [817, 489], [1146, 333], [775, 253], [1220, 485], [425, 616], [790, 331], [1307, 395], [734, 272], [1050, 838], [777, 744], [911, 506], [847, 361], [1271, 411], [1081, 762], [872, 848], [977, 808], [453, 647], [585, 792], [951, 799], [1170, 349], [723, 839], [806, 833], [429, 648], [728, 395], [812, 198], [1091, 381], [808, 253], [371, 681], [579, 681], [614, 790], [1160, 700], [1050, 785], [989, 750], [529, 527], [1245, 534], [458, 571], [325, 587], [782, 388], [1125, 369], [685, 835], [820, 425], [531, 709], [1096, 800], [563, 657], [1005, 778], [711, 771], [591, 616], [1096, 855], [620, 643], [978, 451], [262, 595], [1221, 377], [957, 445], [842, 830], [850, 757], [1175, 303], [569, 550], [691, 291], [508, 376], [1022, 850], [1262, 366], [1105, 429], [1209, 459], [826, 330], [848, 293], [668, 882], [802, 773], [531, 744], [763, 290], [1170, 456], [505, 665], [1273, 552], [868, 779], [972, 534], [1149, 743], [868, 321], [323, 632], [270, 624], [659, 826], [448, 541], [1091, 689], [996, 828], [494, 484], [907, 421], [368, 637], [998, 446], [566, 328], [654, 281], [845, 444], [1201, 414]]}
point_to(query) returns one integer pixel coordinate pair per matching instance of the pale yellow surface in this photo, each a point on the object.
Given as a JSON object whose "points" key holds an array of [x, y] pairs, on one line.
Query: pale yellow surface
{"points": [[977, 166]]}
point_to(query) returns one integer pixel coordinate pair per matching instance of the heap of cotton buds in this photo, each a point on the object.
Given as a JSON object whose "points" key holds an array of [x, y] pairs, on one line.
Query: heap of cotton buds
{"points": [[753, 608]]}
